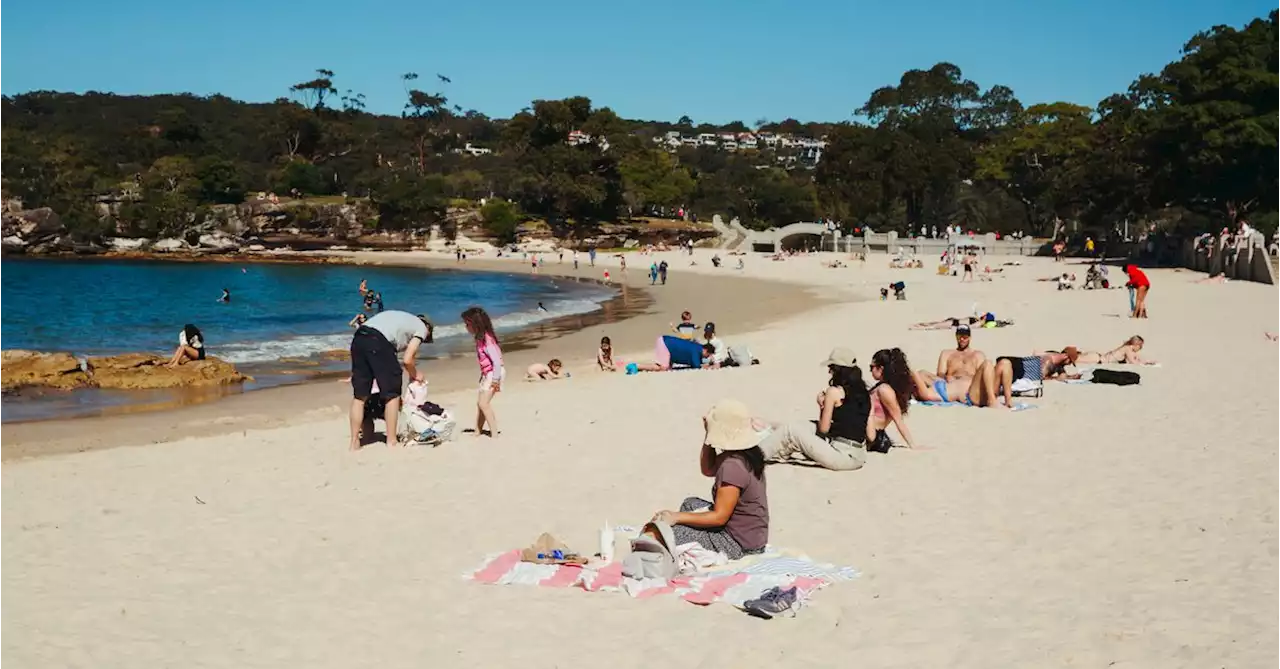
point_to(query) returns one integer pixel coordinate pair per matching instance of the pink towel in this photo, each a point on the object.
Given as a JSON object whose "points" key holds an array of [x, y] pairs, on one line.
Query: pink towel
{"points": [[716, 587]]}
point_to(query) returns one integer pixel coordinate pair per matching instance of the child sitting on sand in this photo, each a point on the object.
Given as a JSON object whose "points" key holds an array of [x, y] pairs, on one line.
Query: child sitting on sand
{"points": [[552, 370], [604, 356]]}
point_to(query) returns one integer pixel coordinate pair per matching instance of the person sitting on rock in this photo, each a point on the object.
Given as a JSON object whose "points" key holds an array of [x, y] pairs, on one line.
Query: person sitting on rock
{"points": [[190, 345]]}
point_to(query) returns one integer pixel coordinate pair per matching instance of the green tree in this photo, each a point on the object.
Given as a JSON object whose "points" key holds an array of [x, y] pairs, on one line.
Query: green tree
{"points": [[501, 219], [651, 177], [1042, 160], [221, 181]]}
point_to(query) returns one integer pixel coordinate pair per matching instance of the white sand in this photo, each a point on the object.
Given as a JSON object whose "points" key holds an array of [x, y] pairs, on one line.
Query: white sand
{"points": [[1110, 527]]}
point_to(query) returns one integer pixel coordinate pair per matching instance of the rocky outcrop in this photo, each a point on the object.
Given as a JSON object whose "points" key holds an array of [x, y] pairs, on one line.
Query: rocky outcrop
{"points": [[51, 370], [219, 241], [169, 245], [31, 230], [131, 371]]}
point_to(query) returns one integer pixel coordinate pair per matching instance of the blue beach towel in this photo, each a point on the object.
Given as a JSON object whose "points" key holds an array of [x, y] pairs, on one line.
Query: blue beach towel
{"points": [[1019, 406]]}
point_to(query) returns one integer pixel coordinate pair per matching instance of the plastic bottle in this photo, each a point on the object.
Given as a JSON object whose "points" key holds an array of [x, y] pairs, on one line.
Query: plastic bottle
{"points": [[606, 542]]}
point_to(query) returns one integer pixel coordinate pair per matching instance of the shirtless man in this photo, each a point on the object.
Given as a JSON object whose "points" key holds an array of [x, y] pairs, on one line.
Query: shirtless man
{"points": [[1052, 367], [963, 375]]}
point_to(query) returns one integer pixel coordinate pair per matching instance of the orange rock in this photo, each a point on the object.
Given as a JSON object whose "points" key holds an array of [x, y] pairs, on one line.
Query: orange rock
{"points": [[131, 371], [20, 368], [139, 371]]}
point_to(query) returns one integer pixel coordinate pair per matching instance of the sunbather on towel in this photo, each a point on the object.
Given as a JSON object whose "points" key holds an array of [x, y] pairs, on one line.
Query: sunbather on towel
{"points": [[963, 375], [1039, 367], [1125, 354], [736, 523], [986, 320]]}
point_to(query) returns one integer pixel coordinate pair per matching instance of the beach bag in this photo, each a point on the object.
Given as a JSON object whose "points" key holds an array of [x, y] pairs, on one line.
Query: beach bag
{"points": [[418, 428], [651, 558], [740, 356], [1115, 377]]}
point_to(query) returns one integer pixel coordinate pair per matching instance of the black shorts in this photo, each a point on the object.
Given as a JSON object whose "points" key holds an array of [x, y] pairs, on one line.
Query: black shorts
{"points": [[200, 353], [373, 358]]}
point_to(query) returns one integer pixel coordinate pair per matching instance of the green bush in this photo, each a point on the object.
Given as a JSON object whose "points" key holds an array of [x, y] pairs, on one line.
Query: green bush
{"points": [[501, 219]]}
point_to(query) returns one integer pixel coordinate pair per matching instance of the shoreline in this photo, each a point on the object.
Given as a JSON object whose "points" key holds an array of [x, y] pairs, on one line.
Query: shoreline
{"points": [[633, 318]]}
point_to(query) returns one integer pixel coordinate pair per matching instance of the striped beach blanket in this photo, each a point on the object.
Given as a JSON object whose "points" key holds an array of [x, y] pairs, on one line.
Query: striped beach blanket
{"points": [[733, 583]]}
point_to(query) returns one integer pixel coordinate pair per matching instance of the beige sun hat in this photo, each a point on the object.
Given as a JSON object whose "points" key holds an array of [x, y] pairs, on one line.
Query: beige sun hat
{"points": [[729, 427], [841, 356]]}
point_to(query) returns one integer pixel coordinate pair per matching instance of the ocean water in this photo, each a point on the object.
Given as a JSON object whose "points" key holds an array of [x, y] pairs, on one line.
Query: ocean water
{"points": [[278, 312]]}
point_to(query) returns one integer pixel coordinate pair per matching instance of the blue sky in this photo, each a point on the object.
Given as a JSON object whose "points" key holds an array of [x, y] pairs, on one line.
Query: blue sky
{"points": [[714, 60]]}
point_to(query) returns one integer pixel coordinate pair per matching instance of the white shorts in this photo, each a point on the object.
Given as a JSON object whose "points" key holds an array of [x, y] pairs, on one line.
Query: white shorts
{"points": [[486, 382]]}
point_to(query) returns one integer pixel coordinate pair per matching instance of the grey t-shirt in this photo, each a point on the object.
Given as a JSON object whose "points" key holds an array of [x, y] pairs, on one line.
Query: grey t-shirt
{"points": [[399, 327], [749, 524]]}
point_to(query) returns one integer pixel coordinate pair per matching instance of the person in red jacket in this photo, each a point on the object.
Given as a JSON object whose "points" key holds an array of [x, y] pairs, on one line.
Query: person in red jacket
{"points": [[1142, 285]]}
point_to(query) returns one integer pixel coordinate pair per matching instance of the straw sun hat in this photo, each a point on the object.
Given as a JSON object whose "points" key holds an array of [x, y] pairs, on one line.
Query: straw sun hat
{"points": [[729, 427]]}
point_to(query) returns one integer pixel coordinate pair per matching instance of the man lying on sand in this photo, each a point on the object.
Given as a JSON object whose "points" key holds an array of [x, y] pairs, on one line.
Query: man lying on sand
{"points": [[1125, 354], [963, 376], [1040, 366]]}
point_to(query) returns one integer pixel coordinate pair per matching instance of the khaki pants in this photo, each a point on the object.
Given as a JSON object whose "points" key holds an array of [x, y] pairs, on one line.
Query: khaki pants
{"points": [[788, 439]]}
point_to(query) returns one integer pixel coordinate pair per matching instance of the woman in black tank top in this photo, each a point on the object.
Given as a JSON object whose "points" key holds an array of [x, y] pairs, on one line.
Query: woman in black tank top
{"points": [[848, 418]]}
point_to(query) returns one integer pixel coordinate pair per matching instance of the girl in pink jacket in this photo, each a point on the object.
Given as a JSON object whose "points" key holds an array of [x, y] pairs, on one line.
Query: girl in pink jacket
{"points": [[489, 356]]}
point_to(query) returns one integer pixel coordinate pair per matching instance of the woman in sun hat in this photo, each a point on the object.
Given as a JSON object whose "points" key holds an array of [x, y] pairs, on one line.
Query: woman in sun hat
{"points": [[736, 523]]}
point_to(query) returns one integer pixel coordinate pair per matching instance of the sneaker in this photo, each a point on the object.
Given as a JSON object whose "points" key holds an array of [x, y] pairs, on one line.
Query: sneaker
{"points": [[772, 602]]}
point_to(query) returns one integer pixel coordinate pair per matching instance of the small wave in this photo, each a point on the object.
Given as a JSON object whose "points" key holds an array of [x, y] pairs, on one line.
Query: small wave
{"points": [[309, 345]]}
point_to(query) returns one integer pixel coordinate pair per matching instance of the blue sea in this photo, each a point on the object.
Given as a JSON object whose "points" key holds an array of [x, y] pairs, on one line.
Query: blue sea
{"points": [[278, 312]]}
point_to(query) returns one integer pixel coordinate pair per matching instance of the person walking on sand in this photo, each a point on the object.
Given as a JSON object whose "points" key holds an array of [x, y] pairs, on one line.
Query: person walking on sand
{"points": [[653, 273], [374, 348], [489, 355], [575, 260], [591, 255], [1141, 286], [662, 272]]}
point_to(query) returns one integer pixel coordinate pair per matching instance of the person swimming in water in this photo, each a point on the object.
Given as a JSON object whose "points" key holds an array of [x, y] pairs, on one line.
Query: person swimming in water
{"points": [[226, 295], [542, 308]]}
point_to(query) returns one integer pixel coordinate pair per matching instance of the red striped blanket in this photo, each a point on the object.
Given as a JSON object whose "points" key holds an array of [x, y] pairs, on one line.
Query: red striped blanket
{"points": [[726, 585]]}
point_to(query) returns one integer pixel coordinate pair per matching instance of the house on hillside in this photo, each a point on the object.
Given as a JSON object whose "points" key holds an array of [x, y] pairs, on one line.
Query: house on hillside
{"points": [[473, 150]]}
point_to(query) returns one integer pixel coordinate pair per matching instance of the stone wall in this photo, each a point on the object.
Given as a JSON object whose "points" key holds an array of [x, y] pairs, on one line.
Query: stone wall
{"points": [[1251, 263]]}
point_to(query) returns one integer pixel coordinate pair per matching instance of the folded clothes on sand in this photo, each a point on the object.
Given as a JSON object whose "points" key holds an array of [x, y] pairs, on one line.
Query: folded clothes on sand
{"points": [[732, 583]]}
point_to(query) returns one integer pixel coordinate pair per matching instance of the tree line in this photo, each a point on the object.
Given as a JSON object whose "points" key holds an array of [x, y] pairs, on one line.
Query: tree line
{"points": [[1191, 147]]}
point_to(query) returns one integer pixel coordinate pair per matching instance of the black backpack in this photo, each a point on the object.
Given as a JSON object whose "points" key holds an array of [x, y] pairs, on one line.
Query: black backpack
{"points": [[1116, 378]]}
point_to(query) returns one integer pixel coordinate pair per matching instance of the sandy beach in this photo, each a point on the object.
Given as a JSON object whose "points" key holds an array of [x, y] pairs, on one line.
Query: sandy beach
{"points": [[1109, 527]]}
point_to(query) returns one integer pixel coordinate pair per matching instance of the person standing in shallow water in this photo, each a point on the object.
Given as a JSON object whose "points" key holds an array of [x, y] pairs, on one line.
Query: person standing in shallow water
{"points": [[489, 355]]}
